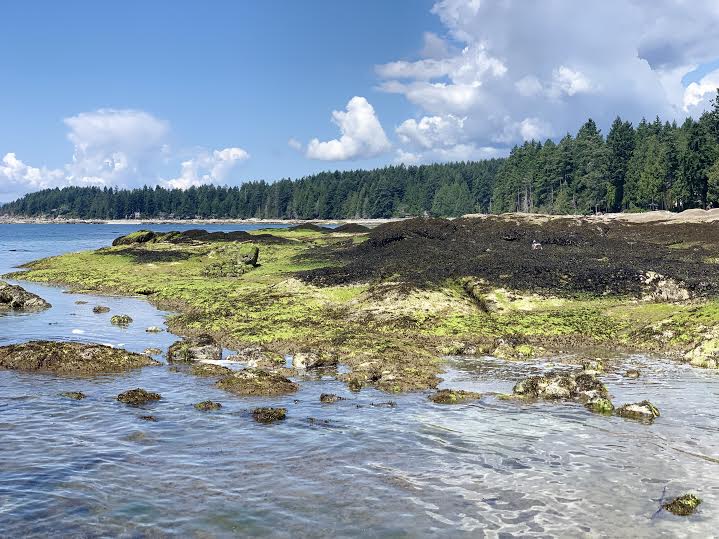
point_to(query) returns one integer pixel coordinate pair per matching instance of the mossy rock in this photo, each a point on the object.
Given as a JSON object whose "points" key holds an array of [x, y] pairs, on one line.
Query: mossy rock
{"points": [[600, 405], [209, 369], [70, 358], [100, 309], [150, 418], [199, 348], [330, 398], [141, 236], [152, 351], [632, 373], [74, 395], [256, 382], [453, 396], [269, 415], [208, 406], [121, 320], [684, 505], [138, 396], [643, 411]]}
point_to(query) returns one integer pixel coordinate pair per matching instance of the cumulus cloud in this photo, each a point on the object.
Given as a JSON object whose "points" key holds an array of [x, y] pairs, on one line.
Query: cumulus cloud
{"points": [[207, 167], [294, 144], [431, 131], [361, 134], [118, 148], [515, 70]]}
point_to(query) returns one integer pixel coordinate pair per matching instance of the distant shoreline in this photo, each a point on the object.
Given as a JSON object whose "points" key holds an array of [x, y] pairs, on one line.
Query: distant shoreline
{"points": [[5, 220]]}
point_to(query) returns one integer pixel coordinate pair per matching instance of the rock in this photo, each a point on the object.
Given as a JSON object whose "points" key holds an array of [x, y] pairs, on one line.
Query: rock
{"points": [[453, 396], [509, 351], [121, 320], [200, 348], [312, 360], [150, 418], [100, 309], [329, 398], [593, 366], [600, 405], [269, 415], [81, 302], [561, 387], [208, 406], [251, 382], [138, 396], [70, 358], [256, 356], [209, 369], [152, 351], [657, 287], [74, 395], [639, 411], [706, 354], [141, 236], [683, 506], [632, 373], [251, 259], [16, 298], [354, 383], [154, 329]]}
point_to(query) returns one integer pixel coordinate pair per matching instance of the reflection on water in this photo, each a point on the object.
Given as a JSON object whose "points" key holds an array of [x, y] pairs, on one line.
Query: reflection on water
{"points": [[493, 468]]}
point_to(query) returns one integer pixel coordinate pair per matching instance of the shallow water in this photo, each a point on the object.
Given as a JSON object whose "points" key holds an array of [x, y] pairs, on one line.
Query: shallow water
{"points": [[492, 468]]}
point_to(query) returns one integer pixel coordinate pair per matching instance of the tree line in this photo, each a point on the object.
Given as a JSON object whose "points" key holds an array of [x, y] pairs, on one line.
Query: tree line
{"points": [[655, 165]]}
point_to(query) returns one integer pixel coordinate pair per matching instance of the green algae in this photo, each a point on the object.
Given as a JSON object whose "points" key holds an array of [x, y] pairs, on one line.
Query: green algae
{"points": [[684, 505], [208, 406]]}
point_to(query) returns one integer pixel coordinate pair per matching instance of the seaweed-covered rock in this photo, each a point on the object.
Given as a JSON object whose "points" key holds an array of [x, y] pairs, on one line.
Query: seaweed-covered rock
{"points": [[208, 406], [313, 360], [121, 320], [453, 396], [138, 396], [632, 373], [150, 418], [251, 258], [600, 405], [209, 369], [16, 298], [200, 348], [152, 351], [330, 398], [141, 236], [269, 415], [255, 382], [256, 356], [154, 329], [100, 309], [70, 358], [593, 366], [683, 506], [640, 411], [74, 395], [561, 387]]}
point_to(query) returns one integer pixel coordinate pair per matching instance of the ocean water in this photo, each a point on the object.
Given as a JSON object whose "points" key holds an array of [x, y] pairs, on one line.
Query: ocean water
{"points": [[358, 468]]}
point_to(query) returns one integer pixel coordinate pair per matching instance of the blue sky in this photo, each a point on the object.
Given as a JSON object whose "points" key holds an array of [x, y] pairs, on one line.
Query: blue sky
{"points": [[181, 93]]}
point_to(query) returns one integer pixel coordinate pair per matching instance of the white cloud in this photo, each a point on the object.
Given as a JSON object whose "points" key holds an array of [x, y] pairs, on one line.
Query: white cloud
{"points": [[698, 95], [516, 70], [431, 131], [294, 144], [119, 148], [207, 168], [362, 135]]}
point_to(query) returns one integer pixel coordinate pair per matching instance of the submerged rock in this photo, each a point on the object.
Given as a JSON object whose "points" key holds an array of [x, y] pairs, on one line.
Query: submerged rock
{"points": [[74, 395], [251, 382], [269, 415], [632, 373], [200, 348], [639, 411], [81, 302], [150, 418], [100, 309], [16, 298], [683, 506], [138, 396], [453, 396], [121, 320], [209, 369], [329, 398], [208, 406], [70, 358], [154, 329]]}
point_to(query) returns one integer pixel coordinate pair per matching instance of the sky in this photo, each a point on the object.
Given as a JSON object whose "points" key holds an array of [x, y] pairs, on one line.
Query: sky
{"points": [[180, 93]]}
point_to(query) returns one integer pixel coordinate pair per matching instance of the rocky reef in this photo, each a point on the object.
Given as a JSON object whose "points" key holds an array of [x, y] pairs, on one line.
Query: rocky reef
{"points": [[257, 382], [70, 358]]}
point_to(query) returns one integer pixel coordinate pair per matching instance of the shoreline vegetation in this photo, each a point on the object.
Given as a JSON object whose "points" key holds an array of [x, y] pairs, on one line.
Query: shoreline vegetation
{"points": [[388, 303]]}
